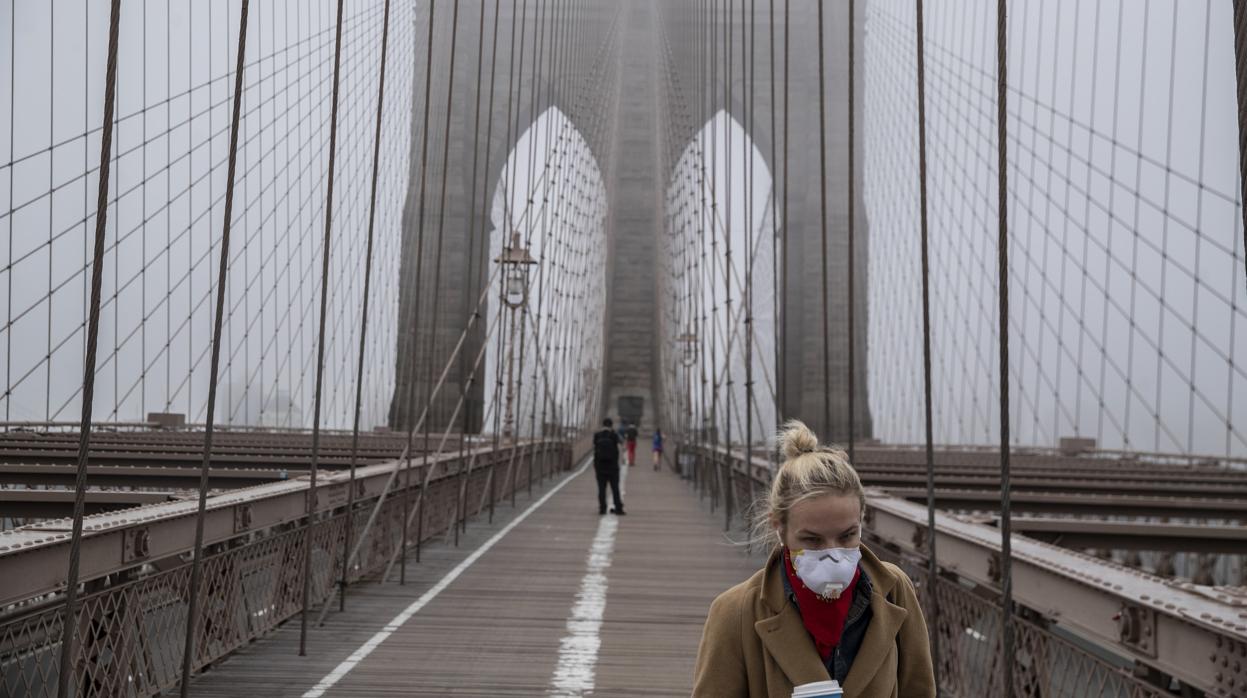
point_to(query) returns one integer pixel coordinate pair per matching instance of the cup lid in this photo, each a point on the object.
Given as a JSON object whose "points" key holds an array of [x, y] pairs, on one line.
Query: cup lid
{"points": [[815, 689]]}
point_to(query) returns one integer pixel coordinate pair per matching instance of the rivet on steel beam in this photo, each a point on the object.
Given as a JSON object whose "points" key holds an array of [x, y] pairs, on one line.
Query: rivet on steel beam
{"points": [[242, 518], [136, 544]]}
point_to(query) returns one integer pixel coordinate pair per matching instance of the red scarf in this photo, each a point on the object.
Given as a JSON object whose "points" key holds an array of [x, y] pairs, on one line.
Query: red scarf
{"points": [[824, 620]]}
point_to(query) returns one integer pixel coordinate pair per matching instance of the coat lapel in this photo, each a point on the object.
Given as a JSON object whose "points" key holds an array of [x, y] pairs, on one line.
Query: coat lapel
{"points": [[886, 620], [786, 640], [783, 634]]}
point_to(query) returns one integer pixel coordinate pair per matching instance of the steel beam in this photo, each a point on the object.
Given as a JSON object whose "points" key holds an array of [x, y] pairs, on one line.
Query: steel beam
{"points": [[1074, 503], [34, 559], [1120, 484], [1191, 632], [52, 504], [1128, 535], [61, 475]]}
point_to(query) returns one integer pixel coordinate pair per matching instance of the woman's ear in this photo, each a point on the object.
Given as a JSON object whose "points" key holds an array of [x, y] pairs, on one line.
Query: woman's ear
{"points": [[778, 527]]}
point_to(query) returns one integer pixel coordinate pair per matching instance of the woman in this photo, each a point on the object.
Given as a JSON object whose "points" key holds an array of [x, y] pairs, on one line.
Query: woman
{"points": [[657, 448], [823, 607]]}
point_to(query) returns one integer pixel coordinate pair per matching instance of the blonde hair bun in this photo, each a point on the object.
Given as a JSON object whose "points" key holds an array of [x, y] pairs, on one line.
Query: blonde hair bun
{"points": [[795, 438]]}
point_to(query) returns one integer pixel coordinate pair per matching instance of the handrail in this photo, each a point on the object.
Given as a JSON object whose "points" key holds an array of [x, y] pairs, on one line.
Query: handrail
{"points": [[33, 558]]}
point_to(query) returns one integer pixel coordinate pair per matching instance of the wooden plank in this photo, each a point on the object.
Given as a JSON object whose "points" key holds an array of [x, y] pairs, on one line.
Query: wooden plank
{"points": [[497, 629]]}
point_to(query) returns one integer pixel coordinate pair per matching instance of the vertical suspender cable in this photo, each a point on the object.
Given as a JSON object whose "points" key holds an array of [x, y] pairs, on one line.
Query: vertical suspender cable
{"points": [[545, 357], [415, 290], [310, 526], [469, 258], [437, 255], [712, 320], [729, 492], [775, 278], [1006, 547], [933, 603], [192, 606], [822, 197], [720, 486], [704, 335], [504, 186], [69, 621], [489, 139], [511, 391], [539, 35], [751, 121], [852, 333], [363, 313], [1240, 70], [781, 368], [570, 372]]}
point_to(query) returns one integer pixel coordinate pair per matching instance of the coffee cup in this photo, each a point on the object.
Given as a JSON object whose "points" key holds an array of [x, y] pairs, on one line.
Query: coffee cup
{"points": [[818, 689]]}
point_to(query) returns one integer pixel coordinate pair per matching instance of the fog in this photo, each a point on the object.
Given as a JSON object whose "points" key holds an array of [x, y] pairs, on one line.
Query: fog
{"points": [[1128, 306]]}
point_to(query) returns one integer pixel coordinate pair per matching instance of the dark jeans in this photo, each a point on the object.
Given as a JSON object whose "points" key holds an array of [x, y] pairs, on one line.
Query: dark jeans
{"points": [[608, 475]]}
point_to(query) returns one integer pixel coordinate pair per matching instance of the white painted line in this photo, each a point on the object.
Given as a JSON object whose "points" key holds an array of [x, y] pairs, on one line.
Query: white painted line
{"points": [[373, 642], [578, 650]]}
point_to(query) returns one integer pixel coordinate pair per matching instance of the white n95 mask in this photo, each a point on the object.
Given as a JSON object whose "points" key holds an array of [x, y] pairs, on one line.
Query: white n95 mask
{"points": [[827, 572]]}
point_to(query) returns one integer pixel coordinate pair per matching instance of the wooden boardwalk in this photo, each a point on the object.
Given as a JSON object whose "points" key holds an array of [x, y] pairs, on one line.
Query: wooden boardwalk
{"points": [[564, 603]]}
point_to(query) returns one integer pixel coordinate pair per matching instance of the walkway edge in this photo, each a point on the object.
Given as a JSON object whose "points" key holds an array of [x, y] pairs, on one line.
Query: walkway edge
{"points": [[397, 622]]}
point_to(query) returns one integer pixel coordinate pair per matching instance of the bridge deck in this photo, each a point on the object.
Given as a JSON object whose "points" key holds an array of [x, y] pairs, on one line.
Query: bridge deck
{"points": [[503, 626]]}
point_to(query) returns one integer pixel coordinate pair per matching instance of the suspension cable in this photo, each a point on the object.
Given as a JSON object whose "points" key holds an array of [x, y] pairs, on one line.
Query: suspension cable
{"points": [[776, 250], [852, 329], [470, 257], [192, 606], [310, 526], [538, 55], [69, 620], [1240, 70], [489, 134], [781, 369], [437, 255], [413, 291], [933, 596], [822, 197], [1006, 542], [363, 313], [750, 121], [501, 345]]}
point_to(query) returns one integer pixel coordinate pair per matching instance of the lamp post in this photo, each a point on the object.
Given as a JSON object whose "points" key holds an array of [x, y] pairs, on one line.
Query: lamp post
{"points": [[688, 358], [515, 261], [689, 355]]}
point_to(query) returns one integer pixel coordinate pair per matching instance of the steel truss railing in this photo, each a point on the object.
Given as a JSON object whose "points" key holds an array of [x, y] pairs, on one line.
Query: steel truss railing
{"points": [[133, 610], [1084, 626]]}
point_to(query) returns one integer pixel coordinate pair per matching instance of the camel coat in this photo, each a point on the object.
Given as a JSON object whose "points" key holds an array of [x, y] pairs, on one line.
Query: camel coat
{"points": [[754, 643]]}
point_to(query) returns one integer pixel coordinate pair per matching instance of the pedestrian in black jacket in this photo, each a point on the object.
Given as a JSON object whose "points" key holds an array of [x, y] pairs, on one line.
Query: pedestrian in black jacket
{"points": [[606, 466]]}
